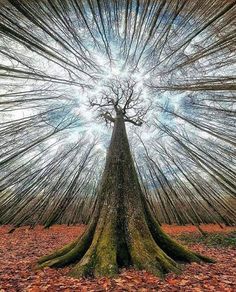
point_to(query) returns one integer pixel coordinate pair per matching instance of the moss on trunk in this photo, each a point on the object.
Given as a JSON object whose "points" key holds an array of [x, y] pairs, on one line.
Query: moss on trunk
{"points": [[122, 231]]}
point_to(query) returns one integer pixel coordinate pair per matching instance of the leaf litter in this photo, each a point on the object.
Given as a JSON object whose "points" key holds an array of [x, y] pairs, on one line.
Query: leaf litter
{"points": [[20, 250]]}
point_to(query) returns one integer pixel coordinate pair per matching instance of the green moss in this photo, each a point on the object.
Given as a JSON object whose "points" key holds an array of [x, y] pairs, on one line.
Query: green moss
{"points": [[100, 258], [146, 254], [70, 253], [85, 267], [174, 249], [214, 239], [106, 252], [58, 252]]}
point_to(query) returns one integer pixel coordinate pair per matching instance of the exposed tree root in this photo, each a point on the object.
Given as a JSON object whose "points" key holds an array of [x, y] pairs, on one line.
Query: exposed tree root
{"points": [[96, 252], [171, 247]]}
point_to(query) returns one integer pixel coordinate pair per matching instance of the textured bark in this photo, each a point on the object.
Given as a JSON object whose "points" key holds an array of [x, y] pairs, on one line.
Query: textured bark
{"points": [[122, 231]]}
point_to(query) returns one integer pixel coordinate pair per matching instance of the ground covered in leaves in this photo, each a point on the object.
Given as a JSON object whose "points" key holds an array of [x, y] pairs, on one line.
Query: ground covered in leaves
{"points": [[19, 250]]}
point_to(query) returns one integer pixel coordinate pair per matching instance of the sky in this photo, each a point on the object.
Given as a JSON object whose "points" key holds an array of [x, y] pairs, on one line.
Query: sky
{"points": [[75, 73]]}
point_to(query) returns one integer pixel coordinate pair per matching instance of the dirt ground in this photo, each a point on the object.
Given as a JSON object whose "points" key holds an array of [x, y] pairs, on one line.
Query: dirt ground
{"points": [[20, 250]]}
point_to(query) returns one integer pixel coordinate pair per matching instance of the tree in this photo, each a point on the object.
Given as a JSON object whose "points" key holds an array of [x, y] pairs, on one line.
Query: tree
{"points": [[122, 231]]}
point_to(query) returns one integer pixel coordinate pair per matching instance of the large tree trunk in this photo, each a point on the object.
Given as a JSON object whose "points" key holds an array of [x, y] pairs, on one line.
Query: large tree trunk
{"points": [[122, 231]]}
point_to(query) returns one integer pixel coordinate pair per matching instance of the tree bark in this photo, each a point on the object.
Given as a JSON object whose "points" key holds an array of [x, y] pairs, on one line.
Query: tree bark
{"points": [[123, 231]]}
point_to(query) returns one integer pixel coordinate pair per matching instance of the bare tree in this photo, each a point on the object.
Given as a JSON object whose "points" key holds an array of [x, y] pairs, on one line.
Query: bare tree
{"points": [[121, 97]]}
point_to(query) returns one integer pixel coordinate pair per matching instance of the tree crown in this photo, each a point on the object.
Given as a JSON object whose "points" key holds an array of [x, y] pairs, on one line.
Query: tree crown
{"points": [[121, 97]]}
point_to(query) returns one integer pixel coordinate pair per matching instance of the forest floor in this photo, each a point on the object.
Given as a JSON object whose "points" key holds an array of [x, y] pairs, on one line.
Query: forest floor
{"points": [[20, 250]]}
